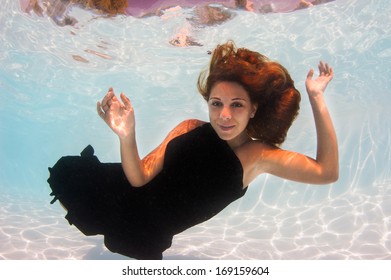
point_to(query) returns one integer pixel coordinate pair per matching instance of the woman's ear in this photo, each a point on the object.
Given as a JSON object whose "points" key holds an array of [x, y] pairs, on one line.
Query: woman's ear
{"points": [[255, 108]]}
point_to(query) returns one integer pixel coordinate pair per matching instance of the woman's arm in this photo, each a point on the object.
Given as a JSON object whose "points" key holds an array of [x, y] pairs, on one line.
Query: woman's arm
{"points": [[327, 146], [120, 118], [294, 166]]}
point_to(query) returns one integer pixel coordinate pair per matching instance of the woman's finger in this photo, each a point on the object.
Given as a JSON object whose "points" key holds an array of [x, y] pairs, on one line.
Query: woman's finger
{"points": [[327, 68], [310, 74], [101, 113], [331, 71], [126, 101], [322, 68], [108, 97]]}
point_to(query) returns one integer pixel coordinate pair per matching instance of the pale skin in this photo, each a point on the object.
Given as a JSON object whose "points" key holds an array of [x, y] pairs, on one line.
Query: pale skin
{"points": [[230, 109]]}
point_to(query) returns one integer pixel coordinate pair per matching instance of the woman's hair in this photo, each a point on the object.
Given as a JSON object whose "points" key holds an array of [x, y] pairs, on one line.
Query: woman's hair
{"points": [[268, 84]]}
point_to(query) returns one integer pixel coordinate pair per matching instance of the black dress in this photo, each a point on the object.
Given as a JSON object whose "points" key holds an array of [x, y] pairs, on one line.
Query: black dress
{"points": [[201, 175]]}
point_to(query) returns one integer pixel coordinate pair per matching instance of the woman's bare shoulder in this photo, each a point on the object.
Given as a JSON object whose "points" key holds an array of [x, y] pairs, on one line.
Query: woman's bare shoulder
{"points": [[188, 125], [253, 156], [184, 127], [254, 153], [258, 146], [154, 160]]}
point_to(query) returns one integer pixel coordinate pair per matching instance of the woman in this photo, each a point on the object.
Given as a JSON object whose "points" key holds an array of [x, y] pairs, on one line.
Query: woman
{"points": [[200, 167]]}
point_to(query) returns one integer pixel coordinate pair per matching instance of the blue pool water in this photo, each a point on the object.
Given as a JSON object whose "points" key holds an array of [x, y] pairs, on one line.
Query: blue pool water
{"points": [[52, 76]]}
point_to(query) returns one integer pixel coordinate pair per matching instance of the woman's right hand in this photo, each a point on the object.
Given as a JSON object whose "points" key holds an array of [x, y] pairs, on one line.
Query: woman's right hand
{"points": [[316, 87], [118, 116]]}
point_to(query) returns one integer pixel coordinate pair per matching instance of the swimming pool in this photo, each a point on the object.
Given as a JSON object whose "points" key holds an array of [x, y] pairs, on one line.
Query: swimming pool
{"points": [[52, 76]]}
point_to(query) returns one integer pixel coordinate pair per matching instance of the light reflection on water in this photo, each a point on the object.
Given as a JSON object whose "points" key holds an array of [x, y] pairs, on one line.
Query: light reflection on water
{"points": [[48, 110]]}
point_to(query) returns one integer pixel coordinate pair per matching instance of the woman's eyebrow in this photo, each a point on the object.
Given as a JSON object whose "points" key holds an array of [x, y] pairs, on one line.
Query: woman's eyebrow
{"points": [[233, 99]]}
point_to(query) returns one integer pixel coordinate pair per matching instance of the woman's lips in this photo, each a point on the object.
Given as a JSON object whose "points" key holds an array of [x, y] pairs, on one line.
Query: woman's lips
{"points": [[226, 127]]}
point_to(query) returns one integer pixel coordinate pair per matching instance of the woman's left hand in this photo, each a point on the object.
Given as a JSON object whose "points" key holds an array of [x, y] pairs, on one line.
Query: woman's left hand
{"points": [[317, 86], [118, 116]]}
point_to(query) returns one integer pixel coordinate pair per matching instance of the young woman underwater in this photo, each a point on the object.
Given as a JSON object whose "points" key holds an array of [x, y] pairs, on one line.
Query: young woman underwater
{"points": [[201, 167]]}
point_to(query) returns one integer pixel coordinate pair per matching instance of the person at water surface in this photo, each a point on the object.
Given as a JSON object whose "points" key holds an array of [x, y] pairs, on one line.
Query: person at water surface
{"points": [[201, 166]]}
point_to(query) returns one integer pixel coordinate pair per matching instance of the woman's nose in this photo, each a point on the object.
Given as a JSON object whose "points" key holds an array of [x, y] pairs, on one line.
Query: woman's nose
{"points": [[225, 113]]}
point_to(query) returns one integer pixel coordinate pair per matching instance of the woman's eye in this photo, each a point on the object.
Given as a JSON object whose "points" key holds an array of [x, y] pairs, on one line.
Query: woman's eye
{"points": [[216, 103], [237, 105]]}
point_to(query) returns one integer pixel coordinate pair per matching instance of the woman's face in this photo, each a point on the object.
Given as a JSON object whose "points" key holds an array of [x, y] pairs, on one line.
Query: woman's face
{"points": [[230, 109]]}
